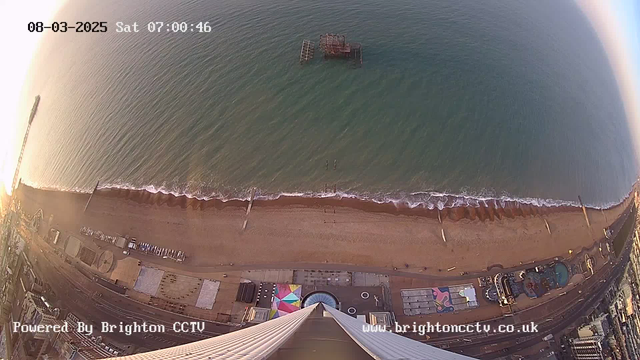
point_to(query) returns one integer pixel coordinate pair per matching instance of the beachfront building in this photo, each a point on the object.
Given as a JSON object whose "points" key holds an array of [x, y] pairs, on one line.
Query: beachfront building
{"points": [[36, 312], [74, 345], [599, 326], [589, 348], [24, 345], [623, 311], [503, 289], [320, 330]]}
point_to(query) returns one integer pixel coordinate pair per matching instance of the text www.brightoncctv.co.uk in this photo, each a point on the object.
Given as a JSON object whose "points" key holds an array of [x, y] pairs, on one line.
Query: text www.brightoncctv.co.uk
{"points": [[428, 327]]}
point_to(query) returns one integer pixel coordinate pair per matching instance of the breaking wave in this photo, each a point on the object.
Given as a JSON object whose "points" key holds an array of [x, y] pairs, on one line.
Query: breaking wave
{"points": [[422, 199]]}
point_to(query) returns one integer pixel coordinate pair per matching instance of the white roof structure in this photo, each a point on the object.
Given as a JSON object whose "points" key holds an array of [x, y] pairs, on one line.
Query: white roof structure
{"points": [[208, 294], [387, 345], [263, 340], [73, 246], [256, 342], [148, 280], [470, 294]]}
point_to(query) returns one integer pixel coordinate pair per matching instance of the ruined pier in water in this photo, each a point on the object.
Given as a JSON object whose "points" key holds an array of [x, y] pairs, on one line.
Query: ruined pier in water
{"points": [[336, 46], [307, 51], [332, 46]]}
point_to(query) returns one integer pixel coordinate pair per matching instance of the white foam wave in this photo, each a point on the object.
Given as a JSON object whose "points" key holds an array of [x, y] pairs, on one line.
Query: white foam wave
{"points": [[36, 185], [427, 199]]}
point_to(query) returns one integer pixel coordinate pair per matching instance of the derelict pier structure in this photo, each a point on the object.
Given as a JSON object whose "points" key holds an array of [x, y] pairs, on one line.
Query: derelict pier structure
{"points": [[332, 46]]}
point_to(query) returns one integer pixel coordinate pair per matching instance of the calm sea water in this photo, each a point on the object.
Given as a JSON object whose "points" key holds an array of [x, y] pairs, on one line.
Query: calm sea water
{"points": [[488, 98]]}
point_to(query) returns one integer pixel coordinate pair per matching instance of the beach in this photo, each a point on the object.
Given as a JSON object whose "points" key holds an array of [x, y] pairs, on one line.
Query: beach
{"points": [[314, 231]]}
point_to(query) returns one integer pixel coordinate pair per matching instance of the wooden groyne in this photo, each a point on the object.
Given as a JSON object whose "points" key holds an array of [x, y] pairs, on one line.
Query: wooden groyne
{"points": [[246, 218], [584, 211], [86, 206]]}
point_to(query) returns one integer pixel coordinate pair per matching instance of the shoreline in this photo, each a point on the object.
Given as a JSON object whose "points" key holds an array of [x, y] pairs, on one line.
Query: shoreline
{"points": [[452, 207], [490, 209], [288, 232]]}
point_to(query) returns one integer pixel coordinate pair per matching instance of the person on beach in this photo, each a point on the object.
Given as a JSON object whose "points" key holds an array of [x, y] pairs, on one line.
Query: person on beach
{"points": [[335, 164]]}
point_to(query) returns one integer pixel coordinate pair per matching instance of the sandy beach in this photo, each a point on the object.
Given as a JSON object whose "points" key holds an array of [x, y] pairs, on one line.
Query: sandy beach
{"points": [[328, 230]]}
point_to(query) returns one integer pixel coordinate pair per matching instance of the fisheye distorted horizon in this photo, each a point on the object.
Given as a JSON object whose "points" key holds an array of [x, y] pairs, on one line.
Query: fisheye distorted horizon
{"points": [[615, 23]]}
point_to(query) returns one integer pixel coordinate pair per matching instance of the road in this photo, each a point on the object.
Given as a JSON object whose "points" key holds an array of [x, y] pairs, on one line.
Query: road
{"points": [[572, 308], [551, 317], [94, 304], [113, 308], [593, 296]]}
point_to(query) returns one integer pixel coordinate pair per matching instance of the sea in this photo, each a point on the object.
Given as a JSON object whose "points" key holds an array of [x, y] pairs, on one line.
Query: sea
{"points": [[457, 98]]}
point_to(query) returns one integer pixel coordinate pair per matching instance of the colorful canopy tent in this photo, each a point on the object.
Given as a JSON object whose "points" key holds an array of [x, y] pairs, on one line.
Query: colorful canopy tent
{"points": [[286, 299]]}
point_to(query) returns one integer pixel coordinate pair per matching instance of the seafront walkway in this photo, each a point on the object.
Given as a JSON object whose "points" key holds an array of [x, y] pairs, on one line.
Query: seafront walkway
{"points": [[537, 312], [134, 305], [402, 277], [227, 272]]}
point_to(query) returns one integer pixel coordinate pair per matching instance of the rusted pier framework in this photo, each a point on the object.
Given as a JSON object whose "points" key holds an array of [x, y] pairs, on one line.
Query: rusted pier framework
{"points": [[336, 46], [332, 46], [307, 51]]}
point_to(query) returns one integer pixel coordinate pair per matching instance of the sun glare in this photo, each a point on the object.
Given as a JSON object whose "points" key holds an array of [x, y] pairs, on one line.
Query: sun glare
{"points": [[617, 28], [14, 17]]}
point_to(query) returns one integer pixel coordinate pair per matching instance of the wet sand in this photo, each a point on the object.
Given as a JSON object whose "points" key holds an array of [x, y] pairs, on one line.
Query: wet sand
{"points": [[486, 210], [290, 230]]}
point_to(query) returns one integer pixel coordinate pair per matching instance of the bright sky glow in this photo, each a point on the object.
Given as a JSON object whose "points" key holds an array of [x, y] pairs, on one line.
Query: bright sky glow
{"points": [[20, 46], [617, 23]]}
